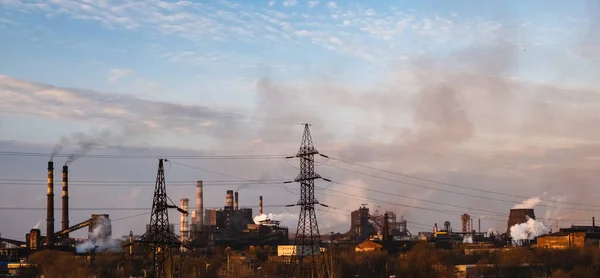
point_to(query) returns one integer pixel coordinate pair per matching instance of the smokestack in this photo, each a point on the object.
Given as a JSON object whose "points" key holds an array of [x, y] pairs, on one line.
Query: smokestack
{"points": [[184, 220], [50, 206], [260, 205], [235, 201], [130, 243], [65, 199], [472, 228], [593, 221], [479, 225], [229, 199], [199, 205]]}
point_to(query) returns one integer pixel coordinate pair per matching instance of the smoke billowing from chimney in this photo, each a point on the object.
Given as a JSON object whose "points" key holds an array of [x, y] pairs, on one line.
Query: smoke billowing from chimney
{"points": [[528, 204], [65, 199], [50, 206]]}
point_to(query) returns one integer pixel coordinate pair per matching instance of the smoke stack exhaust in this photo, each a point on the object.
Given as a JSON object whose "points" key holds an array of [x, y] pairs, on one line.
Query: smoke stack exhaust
{"points": [[199, 221], [260, 205], [65, 199], [50, 206], [235, 201], [184, 221], [229, 199]]}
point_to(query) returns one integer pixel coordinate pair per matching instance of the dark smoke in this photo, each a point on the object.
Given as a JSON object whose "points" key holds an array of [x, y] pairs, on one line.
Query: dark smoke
{"points": [[84, 143], [64, 142]]}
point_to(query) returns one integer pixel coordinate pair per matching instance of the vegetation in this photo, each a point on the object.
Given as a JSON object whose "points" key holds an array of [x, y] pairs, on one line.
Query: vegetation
{"points": [[422, 261]]}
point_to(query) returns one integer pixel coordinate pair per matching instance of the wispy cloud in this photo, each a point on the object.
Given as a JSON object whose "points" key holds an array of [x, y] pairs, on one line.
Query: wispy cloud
{"points": [[290, 3], [115, 75], [313, 3]]}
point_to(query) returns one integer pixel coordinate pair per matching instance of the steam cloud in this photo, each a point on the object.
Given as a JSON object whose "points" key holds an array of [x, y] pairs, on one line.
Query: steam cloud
{"points": [[467, 239], [528, 230], [37, 225], [287, 219], [528, 204], [99, 239]]}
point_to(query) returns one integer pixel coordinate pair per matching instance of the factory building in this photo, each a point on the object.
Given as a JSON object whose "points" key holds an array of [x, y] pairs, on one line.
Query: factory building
{"points": [[572, 237], [234, 226]]}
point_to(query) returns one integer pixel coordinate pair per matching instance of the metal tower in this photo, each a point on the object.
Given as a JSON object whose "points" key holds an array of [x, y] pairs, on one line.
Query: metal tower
{"points": [[307, 241], [159, 237]]}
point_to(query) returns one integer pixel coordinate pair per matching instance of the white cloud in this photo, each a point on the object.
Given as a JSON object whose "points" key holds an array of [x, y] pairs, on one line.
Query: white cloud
{"points": [[335, 40], [271, 4], [115, 75], [290, 3], [332, 5], [313, 3]]}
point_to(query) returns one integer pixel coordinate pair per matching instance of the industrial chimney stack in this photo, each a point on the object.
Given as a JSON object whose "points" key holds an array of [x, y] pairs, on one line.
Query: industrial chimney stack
{"points": [[229, 199], [260, 205], [199, 205], [50, 206], [235, 201], [184, 220], [65, 199]]}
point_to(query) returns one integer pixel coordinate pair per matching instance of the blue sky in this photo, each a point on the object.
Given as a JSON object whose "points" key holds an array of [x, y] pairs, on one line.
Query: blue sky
{"points": [[456, 90]]}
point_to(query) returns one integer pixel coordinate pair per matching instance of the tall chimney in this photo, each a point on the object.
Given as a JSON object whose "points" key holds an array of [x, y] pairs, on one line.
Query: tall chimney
{"points": [[199, 204], [472, 228], [65, 199], [479, 225], [184, 220], [130, 243], [50, 206], [229, 199], [235, 201], [593, 221], [260, 205]]}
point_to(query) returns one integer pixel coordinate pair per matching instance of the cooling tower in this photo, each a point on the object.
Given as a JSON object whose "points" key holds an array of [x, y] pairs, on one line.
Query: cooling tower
{"points": [[518, 216], [65, 199], [50, 206], [229, 199]]}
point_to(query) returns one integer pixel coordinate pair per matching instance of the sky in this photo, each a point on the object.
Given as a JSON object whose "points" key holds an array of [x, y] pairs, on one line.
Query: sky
{"points": [[429, 109]]}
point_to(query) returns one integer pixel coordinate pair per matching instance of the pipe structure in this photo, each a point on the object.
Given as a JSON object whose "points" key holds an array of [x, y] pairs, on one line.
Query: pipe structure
{"points": [[260, 205], [594, 221], [236, 201], [184, 220], [199, 205], [50, 206], [65, 199]]}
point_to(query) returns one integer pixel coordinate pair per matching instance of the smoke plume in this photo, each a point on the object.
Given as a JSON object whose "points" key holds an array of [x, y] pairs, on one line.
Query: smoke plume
{"points": [[98, 239], [37, 225], [286, 219], [528, 230], [467, 239], [528, 204], [64, 142]]}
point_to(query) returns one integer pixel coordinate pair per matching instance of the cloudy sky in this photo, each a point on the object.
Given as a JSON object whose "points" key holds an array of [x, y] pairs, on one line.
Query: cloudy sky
{"points": [[429, 109]]}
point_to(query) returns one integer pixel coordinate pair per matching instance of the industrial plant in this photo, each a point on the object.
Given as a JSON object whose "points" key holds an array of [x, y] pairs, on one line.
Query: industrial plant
{"points": [[233, 228]]}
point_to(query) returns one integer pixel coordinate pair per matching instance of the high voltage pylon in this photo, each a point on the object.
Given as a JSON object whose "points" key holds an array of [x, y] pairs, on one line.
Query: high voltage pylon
{"points": [[159, 238], [308, 241]]}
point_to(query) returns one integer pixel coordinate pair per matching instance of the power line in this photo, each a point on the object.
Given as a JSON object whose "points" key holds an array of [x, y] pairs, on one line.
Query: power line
{"points": [[451, 192], [449, 184], [137, 156]]}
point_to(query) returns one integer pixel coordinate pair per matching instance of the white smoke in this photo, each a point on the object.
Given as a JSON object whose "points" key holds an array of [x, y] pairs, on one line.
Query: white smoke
{"points": [[99, 239], [528, 230], [467, 239], [492, 231], [528, 204], [286, 219], [37, 225]]}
